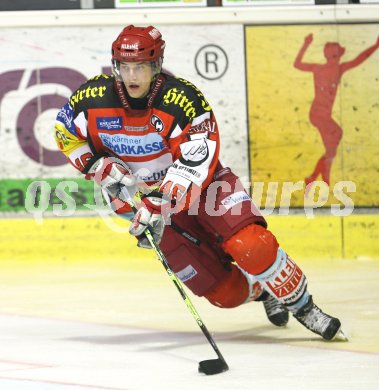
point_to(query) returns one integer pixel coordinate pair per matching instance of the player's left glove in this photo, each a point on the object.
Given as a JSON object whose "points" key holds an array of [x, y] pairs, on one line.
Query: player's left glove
{"points": [[153, 212]]}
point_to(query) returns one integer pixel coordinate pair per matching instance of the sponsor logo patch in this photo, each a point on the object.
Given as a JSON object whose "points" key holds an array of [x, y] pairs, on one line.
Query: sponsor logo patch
{"points": [[155, 176], [194, 152], [136, 128], [185, 171], [109, 123], [61, 139], [155, 33], [289, 281], [127, 46], [186, 273], [157, 123], [203, 127], [234, 199], [66, 116], [129, 145]]}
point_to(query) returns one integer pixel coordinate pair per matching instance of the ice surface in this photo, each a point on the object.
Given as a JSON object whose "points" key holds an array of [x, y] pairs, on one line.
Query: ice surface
{"points": [[92, 327]]}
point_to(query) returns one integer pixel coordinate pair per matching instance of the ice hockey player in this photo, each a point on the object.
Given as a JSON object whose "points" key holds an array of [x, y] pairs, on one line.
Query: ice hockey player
{"points": [[157, 135]]}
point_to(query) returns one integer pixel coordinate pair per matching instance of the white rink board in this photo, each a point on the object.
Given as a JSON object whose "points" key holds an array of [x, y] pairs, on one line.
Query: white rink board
{"points": [[86, 50]]}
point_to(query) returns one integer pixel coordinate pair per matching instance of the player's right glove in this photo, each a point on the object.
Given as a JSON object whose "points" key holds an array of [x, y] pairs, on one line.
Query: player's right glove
{"points": [[153, 213], [112, 174]]}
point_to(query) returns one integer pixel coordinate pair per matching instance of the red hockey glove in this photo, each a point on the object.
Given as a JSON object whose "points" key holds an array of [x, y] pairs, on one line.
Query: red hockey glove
{"points": [[112, 174], [153, 213]]}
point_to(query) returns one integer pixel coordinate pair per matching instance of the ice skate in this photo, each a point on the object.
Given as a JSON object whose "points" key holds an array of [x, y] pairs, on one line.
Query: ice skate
{"points": [[314, 319], [275, 311]]}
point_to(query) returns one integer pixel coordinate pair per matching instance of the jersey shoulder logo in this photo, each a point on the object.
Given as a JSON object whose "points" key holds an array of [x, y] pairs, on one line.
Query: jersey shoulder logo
{"points": [[86, 93], [178, 97], [95, 88], [188, 97]]}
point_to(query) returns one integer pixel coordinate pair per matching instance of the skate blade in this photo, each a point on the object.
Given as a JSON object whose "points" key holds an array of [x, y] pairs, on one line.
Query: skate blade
{"points": [[340, 336]]}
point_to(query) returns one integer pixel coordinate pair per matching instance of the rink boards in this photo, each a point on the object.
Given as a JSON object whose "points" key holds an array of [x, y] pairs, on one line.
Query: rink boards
{"points": [[98, 239]]}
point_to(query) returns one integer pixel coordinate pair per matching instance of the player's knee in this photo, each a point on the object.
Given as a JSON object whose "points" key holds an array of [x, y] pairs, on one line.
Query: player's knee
{"points": [[254, 248], [233, 291]]}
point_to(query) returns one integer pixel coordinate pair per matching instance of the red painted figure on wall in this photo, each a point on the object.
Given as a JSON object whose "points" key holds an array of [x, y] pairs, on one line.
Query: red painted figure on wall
{"points": [[327, 77]]}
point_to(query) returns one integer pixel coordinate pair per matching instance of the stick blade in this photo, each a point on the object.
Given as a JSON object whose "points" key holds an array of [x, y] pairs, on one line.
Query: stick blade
{"points": [[213, 366]]}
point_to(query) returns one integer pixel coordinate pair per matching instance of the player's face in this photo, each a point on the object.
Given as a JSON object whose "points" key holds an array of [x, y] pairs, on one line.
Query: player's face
{"points": [[137, 78]]}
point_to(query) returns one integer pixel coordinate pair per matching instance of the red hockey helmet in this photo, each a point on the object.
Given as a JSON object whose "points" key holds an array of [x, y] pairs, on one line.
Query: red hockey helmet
{"points": [[138, 44]]}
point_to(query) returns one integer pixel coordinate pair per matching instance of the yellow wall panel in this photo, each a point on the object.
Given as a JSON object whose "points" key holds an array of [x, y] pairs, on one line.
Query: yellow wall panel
{"points": [[78, 240], [89, 240], [311, 238], [285, 145], [361, 236]]}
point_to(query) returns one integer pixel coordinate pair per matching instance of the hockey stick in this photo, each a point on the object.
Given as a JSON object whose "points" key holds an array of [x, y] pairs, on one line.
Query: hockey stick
{"points": [[208, 367]]}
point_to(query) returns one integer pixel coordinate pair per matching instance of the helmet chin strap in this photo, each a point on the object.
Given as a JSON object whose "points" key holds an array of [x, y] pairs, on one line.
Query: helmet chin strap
{"points": [[155, 87]]}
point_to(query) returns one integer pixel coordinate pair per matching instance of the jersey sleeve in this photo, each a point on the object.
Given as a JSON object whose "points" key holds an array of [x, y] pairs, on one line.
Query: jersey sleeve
{"points": [[194, 143], [71, 136]]}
